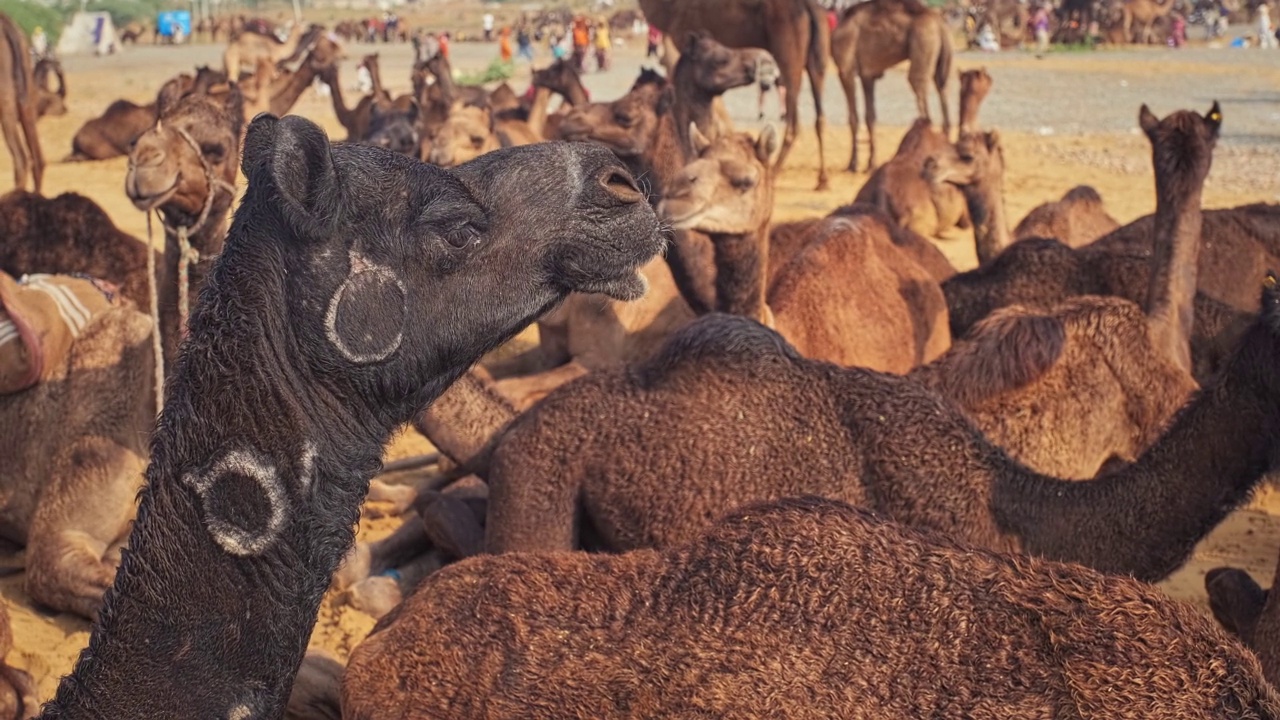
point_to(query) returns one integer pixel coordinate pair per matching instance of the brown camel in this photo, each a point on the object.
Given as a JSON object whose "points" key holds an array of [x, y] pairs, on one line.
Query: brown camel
{"points": [[975, 86], [19, 96], [1095, 378], [929, 206], [1145, 14], [728, 393], [112, 134], [184, 168], [793, 31], [75, 441], [255, 484], [1076, 220], [248, 47], [892, 319], [51, 102], [877, 35], [354, 119], [17, 689], [798, 608]]}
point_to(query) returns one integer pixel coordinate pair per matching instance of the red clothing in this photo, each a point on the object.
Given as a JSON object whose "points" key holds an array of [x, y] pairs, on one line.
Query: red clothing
{"points": [[832, 20], [655, 35]]}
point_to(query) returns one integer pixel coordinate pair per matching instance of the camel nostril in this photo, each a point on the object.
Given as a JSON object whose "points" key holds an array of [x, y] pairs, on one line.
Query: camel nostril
{"points": [[621, 185]]}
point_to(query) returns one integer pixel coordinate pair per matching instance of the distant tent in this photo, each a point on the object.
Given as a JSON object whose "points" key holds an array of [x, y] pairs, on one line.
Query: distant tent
{"points": [[88, 32]]}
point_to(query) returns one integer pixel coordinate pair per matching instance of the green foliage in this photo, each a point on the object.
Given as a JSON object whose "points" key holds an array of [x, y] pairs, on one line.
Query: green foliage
{"points": [[30, 15], [497, 71]]}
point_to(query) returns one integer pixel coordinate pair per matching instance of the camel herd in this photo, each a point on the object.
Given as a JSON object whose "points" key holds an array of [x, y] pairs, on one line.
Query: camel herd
{"points": [[751, 468]]}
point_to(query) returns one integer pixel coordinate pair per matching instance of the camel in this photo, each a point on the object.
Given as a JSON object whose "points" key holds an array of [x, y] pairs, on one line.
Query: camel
{"points": [[1094, 379], [248, 47], [184, 168], [18, 106], [794, 32], [729, 393], [261, 478], [1248, 612], [928, 207], [112, 134], [75, 441], [1076, 220], [799, 608], [892, 319], [877, 35], [1144, 13], [52, 103], [395, 129], [354, 119], [1040, 273], [975, 86], [17, 689]]}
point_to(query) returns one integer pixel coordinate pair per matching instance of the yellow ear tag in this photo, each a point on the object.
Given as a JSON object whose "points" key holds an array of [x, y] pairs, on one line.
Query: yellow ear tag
{"points": [[1216, 117], [1269, 282]]}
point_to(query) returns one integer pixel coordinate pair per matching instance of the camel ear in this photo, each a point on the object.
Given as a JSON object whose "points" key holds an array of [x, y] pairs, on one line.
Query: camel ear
{"points": [[1214, 118], [414, 111], [295, 157], [170, 93], [666, 99], [700, 141], [993, 140], [1148, 121], [766, 145]]}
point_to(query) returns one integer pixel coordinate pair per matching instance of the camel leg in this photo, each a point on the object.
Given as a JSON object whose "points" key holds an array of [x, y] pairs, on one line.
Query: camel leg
{"points": [[791, 79], [817, 72], [85, 508], [17, 149], [27, 116], [848, 78], [918, 77], [453, 527], [869, 98]]}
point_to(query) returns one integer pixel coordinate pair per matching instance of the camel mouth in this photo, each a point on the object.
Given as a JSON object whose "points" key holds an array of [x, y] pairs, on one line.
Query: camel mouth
{"points": [[147, 203], [680, 215]]}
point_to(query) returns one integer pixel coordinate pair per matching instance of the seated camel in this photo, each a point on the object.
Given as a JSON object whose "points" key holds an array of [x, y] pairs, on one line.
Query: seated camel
{"points": [[1076, 220], [77, 364], [900, 188]]}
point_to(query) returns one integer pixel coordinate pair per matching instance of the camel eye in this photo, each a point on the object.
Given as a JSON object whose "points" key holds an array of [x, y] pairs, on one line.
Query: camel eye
{"points": [[214, 151], [623, 119], [462, 235], [743, 183], [477, 142]]}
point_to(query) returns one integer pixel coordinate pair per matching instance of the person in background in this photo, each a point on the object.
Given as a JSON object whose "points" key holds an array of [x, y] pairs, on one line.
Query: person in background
{"points": [[364, 80], [655, 39], [603, 45], [1178, 31], [524, 44], [504, 44], [1266, 34], [486, 24], [444, 45], [39, 42], [581, 40], [557, 47], [1040, 23]]}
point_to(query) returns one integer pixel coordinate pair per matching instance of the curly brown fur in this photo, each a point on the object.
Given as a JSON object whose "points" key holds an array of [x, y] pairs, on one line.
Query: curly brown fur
{"points": [[279, 409], [623, 455], [70, 234], [1076, 220], [802, 608], [1249, 612]]}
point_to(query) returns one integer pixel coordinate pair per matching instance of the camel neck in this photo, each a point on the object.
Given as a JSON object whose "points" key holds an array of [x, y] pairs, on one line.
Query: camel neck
{"points": [[575, 93], [1146, 518], [985, 199], [1175, 260], [467, 421], [665, 158], [740, 272], [538, 111], [298, 84], [257, 472], [345, 115], [694, 106]]}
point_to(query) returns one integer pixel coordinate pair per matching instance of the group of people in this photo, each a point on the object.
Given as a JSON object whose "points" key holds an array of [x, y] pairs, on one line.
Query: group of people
{"points": [[582, 39]]}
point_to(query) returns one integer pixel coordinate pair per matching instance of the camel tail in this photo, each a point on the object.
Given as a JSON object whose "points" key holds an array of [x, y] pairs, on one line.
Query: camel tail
{"points": [[13, 36], [819, 36]]}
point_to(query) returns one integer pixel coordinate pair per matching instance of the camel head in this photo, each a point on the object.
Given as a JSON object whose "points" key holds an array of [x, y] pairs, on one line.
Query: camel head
{"points": [[728, 188], [715, 68], [394, 129], [1182, 141], [467, 134], [50, 102], [385, 249], [975, 159], [1236, 600], [559, 77], [975, 85], [628, 125], [179, 164]]}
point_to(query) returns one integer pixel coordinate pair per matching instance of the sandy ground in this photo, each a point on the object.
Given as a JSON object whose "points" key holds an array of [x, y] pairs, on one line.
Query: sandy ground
{"points": [[1066, 119]]}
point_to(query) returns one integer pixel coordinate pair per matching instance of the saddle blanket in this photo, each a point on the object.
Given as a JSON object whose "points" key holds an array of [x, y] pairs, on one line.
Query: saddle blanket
{"points": [[41, 316]]}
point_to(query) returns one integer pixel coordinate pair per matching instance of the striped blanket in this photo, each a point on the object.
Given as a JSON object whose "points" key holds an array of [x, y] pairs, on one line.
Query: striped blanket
{"points": [[41, 316]]}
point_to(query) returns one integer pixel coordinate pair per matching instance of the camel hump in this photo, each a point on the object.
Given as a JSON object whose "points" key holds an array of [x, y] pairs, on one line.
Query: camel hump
{"points": [[1009, 349], [1083, 194], [718, 340]]}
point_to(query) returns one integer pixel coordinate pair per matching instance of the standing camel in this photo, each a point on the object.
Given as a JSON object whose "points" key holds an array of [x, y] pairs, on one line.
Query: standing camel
{"points": [[1145, 13], [18, 106], [876, 35], [793, 31]]}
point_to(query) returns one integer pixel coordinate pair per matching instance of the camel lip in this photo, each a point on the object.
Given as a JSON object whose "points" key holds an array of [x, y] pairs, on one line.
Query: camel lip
{"points": [[148, 203], [679, 222]]}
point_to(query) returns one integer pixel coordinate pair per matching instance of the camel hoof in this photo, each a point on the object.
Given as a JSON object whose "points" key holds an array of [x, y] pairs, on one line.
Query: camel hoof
{"points": [[823, 184], [375, 596]]}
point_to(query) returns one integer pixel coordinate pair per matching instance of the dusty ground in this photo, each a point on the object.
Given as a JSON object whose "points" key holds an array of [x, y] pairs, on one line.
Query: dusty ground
{"points": [[1066, 119]]}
